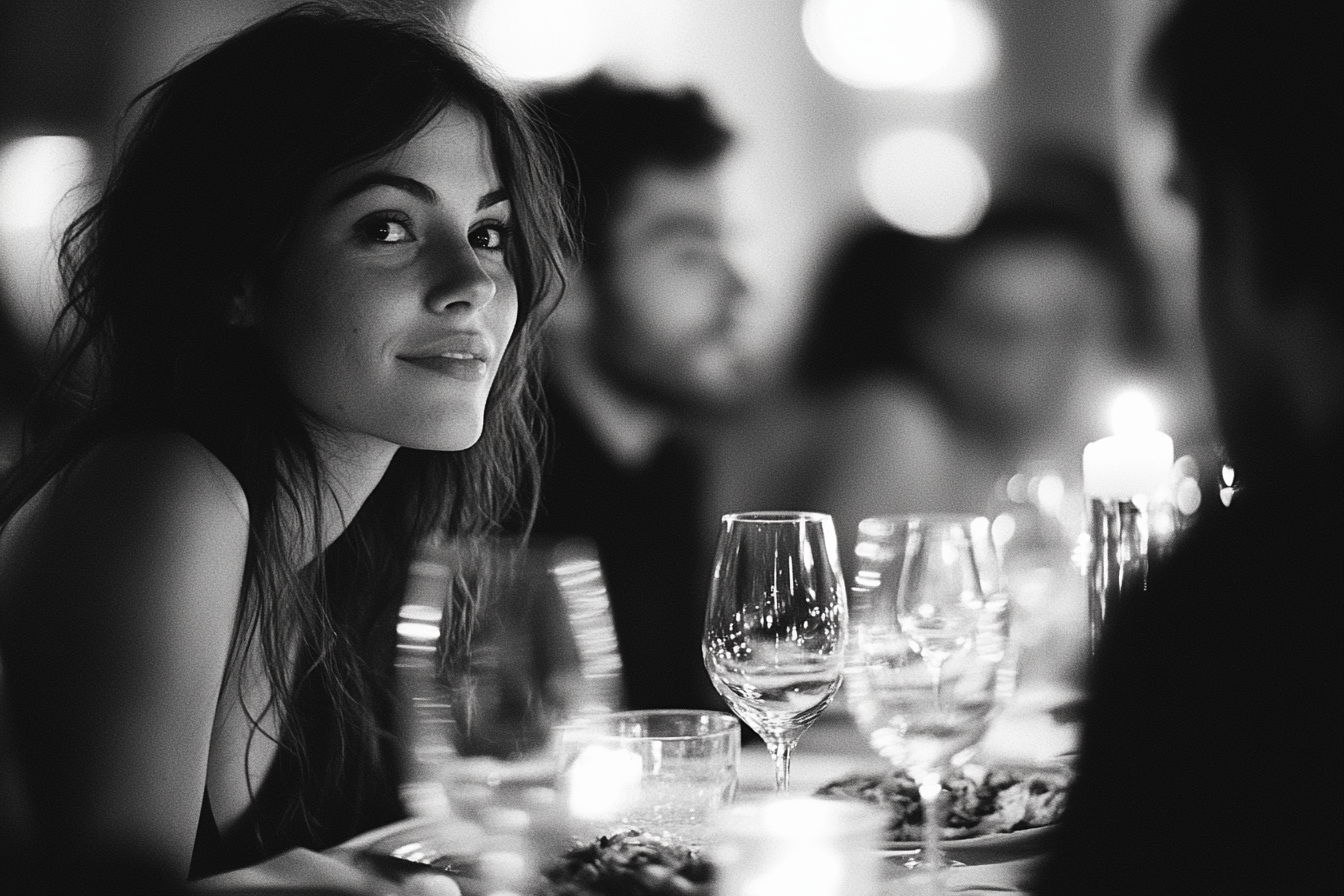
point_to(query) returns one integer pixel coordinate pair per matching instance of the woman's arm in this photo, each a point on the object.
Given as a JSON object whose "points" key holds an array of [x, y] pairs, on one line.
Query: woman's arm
{"points": [[119, 584]]}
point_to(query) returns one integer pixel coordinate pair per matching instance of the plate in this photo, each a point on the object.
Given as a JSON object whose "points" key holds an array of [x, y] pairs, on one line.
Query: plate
{"points": [[987, 848], [1024, 794]]}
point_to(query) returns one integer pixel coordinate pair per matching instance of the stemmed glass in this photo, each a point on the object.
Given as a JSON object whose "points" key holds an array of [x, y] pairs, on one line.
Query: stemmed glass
{"points": [[925, 651], [500, 643], [776, 624]]}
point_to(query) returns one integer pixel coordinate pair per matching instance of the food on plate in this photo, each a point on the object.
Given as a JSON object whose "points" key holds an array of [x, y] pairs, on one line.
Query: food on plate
{"points": [[631, 863], [979, 802]]}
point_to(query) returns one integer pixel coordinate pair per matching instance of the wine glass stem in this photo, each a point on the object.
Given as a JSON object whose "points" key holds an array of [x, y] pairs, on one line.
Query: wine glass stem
{"points": [[935, 664], [781, 751], [931, 795]]}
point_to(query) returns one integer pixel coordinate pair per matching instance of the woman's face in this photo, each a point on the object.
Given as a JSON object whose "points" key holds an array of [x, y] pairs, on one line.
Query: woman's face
{"points": [[394, 303]]}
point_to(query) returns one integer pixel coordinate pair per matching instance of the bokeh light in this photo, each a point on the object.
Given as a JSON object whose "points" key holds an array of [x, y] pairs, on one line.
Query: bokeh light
{"points": [[43, 184], [930, 45], [927, 182], [36, 174], [537, 40], [975, 51]]}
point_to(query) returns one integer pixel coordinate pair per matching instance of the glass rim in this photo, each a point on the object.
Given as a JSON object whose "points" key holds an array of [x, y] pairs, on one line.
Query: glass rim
{"points": [[721, 723], [942, 517], [776, 516]]}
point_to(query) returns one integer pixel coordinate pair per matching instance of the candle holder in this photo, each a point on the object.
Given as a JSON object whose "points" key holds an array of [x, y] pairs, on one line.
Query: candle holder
{"points": [[1119, 561], [1120, 473]]}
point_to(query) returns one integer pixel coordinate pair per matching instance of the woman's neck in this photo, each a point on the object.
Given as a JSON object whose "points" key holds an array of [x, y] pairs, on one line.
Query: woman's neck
{"points": [[352, 467]]}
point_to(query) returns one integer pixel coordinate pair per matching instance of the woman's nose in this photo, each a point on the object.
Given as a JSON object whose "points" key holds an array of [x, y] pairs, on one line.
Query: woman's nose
{"points": [[460, 278]]}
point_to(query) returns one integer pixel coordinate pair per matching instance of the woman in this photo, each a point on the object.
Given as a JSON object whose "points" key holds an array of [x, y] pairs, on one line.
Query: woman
{"points": [[299, 334]]}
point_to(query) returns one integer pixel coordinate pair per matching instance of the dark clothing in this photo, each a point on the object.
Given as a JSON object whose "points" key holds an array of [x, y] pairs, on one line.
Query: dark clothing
{"points": [[278, 821], [1212, 749], [351, 777], [648, 527]]}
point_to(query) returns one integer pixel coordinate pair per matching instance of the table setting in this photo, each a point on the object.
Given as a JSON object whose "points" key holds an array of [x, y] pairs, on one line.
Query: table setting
{"points": [[898, 751], [526, 776]]}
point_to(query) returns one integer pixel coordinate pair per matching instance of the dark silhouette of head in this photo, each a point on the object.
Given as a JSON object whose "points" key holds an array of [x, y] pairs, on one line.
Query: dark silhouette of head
{"points": [[1254, 92]]}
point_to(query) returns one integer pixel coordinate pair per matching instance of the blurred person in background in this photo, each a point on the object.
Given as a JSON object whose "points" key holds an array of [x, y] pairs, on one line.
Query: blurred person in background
{"points": [[645, 353], [301, 324], [932, 369], [1215, 695]]}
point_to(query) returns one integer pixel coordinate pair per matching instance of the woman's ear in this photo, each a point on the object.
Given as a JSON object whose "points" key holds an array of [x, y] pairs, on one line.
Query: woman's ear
{"points": [[243, 307]]}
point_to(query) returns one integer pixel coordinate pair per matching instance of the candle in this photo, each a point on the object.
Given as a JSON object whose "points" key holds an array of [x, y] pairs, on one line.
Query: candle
{"points": [[604, 783], [1117, 468], [795, 846]]}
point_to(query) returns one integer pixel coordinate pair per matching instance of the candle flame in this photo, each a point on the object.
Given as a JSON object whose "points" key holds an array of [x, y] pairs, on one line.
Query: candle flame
{"points": [[1133, 411]]}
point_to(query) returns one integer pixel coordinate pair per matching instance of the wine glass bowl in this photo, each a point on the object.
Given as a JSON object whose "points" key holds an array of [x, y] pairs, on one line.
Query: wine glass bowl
{"points": [[911, 721], [939, 594], [776, 624]]}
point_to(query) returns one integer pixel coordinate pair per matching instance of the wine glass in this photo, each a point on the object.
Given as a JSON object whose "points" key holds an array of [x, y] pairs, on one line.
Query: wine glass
{"points": [[926, 649], [776, 624], [500, 644]]}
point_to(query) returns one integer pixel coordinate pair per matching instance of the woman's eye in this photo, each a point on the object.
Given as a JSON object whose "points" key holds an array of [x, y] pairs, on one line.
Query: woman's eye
{"points": [[490, 236], [387, 230]]}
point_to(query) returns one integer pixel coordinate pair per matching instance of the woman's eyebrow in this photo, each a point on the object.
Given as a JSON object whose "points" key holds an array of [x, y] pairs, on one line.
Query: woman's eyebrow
{"points": [[492, 198], [385, 179]]}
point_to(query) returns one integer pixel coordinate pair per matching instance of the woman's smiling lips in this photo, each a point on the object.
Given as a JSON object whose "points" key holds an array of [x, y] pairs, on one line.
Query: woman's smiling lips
{"points": [[463, 356]]}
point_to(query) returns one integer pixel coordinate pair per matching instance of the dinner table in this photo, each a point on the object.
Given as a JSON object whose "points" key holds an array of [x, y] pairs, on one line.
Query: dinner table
{"points": [[1038, 727]]}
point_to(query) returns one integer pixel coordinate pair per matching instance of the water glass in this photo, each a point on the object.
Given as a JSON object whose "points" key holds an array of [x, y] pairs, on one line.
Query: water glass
{"points": [[664, 772]]}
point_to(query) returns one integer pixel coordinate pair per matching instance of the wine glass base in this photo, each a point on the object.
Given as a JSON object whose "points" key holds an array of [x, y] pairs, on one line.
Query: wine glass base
{"points": [[916, 863]]}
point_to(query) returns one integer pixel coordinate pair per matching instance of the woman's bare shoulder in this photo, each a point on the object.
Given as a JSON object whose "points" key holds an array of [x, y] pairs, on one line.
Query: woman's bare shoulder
{"points": [[158, 466], [153, 508], [150, 470], [119, 588]]}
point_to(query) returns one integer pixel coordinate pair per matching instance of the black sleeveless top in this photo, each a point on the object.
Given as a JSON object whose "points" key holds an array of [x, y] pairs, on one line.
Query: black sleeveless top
{"points": [[349, 787], [366, 798]]}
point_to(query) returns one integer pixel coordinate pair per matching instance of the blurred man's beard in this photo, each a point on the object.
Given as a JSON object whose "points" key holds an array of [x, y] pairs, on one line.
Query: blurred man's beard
{"points": [[697, 394]]}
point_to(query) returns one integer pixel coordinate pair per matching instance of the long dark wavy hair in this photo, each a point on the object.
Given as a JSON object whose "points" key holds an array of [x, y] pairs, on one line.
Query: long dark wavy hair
{"points": [[202, 201]]}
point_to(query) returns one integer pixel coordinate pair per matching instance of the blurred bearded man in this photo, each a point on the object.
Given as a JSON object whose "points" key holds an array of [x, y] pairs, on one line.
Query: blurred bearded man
{"points": [[646, 349]]}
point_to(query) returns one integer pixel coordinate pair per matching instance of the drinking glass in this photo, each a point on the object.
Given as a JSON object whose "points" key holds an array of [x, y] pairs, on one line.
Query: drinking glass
{"points": [[776, 624], [926, 649], [500, 643], [662, 771]]}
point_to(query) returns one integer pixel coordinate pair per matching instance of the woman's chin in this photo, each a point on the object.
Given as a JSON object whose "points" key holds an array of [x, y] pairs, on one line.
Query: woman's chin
{"points": [[455, 438]]}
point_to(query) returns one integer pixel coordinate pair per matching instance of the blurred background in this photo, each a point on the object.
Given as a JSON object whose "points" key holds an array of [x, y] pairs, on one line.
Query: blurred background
{"points": [[908, 111]]}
